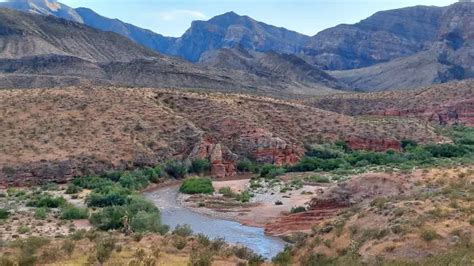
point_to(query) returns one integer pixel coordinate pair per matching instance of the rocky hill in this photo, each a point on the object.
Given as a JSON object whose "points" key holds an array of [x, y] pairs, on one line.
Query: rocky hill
{"points": [[285, 67], [44, 51], [23, 34], [448, 57], [55, 134], [450, 103]]}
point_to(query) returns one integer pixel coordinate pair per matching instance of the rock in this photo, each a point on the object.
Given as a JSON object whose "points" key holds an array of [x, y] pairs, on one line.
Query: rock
{"points": [[364, 143], [263, 147], [222, 160]]}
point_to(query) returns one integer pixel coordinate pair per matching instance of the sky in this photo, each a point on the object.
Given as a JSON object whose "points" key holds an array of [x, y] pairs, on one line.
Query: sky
{"points": [[173, 17]]}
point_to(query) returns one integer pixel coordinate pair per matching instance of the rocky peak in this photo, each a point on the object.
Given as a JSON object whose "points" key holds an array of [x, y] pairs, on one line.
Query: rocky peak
{"points": [[44, 7]]}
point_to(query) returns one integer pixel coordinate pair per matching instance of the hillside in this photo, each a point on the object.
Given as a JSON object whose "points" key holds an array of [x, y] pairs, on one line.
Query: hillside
{"points": [[445, 104], [289, 68], [42, 51], [58, 133], [24, 34]]}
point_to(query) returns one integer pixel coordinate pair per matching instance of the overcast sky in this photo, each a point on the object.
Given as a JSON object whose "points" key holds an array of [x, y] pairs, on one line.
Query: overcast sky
{"points": [[173, 17]]}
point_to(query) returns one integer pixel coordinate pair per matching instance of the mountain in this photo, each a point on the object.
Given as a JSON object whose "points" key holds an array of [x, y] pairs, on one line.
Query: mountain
{"points": [[231, 30], [380, 38], [147, 38], [45, 51], [44, 7], [23, 34], [285, 67], [448, 57]]}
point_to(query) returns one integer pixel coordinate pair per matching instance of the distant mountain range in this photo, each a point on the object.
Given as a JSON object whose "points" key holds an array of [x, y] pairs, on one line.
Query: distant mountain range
{"points": [[45, 51], [395, 49]]}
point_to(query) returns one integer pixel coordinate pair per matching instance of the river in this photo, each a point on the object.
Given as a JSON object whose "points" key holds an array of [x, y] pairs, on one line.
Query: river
{"points": [[173, 213]]}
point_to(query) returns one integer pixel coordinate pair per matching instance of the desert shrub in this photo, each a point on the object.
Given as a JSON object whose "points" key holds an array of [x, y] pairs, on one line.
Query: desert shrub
{"points": [[324, 151], [179, 242], [176, 169], [379, 203], [104, 249], [148, 222], [112, 198], [68, 247], [283, 258], [23, 229], [113, 176], [6, 261], [50, 187], [71, 212], [227, 192], [4, 213], [133, 180], [298, 209], [429, 235], [152, 174], [271, 171], [245, 253], [46, 201], [203, 240], [245, 165], [244, 197], [201, 258], [183, 230], [78, 235], [446, 150], [41, 213], [197, 186], [73, 189], [112, 217], [109, 218], [200, 166], [92, 182], [408, 143]]}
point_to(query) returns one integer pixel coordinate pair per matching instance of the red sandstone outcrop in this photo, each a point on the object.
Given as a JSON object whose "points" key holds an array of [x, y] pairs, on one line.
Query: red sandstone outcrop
{"points": [[371, 144], [461, 112], [263, 147], [222, 160]]}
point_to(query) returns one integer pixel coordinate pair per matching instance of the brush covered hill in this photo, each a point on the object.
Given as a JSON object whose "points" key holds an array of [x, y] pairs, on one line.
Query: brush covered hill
{"points": [[448, 103], [56, 134]]}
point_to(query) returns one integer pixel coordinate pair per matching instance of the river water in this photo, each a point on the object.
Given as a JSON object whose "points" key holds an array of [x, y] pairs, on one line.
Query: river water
{"points": [[173, 213]]}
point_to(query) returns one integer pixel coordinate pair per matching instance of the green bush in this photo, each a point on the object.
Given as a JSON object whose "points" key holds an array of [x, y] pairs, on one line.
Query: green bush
{"points": [[446, 150], [113, 198], [183, 230], [41, 213], [244, 197], [246, 165], [429, 235], [271, 171], [4, 213], [23, 229], [70, 212], [283, 258], [73, 189], [197, 186], [227, 192], [176, 169], [152, 174], [148, 222], [92, 182], [109, 218], [200, 166], [46, 201]]}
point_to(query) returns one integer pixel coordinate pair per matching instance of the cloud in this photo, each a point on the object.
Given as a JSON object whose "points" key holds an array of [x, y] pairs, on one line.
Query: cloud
{"points": [[178, 14]]}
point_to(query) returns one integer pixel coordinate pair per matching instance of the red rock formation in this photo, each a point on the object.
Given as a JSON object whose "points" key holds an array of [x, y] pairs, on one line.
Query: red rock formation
{"points": [[370, 144], [263, 147], [461, 112], [222, 160]]}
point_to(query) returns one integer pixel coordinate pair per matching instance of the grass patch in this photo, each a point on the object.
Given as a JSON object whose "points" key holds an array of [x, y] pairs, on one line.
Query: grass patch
{"points": [[197, 186]]}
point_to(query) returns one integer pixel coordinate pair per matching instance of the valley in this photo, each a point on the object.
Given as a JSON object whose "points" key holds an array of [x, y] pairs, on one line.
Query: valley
{"points": [[238, 142]]}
